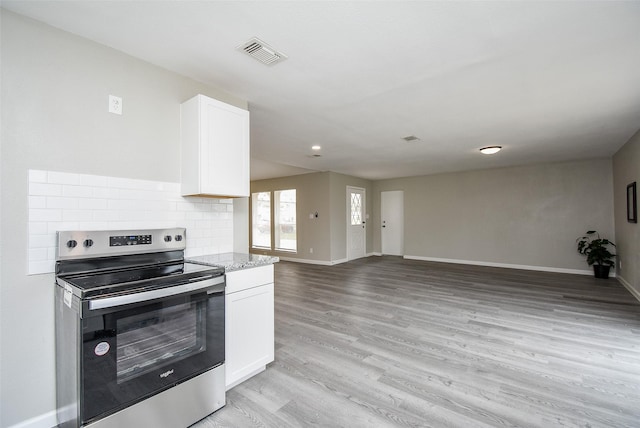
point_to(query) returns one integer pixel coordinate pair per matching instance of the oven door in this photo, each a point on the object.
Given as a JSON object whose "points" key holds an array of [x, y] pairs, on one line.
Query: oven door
{"points": [[134, 351]]}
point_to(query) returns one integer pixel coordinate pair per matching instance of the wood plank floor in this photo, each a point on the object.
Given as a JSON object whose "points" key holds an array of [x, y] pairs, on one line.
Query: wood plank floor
{"points": [[388, 342]]}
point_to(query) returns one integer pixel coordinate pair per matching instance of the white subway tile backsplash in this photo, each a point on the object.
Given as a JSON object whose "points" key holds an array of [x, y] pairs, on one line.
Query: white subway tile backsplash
{"points": [[95, 225], [38, 267], [67, 201], [45, 189], [38, 228], [62, 178], [44, 214], [77, 191], [119, 183], [92, 204], [77, 215], [53, 226], [193, 215], [62, 202], [105, 192], [37, 254], [37, 202], [42, 241], [37, 176], [93, 180], [106, 215]]}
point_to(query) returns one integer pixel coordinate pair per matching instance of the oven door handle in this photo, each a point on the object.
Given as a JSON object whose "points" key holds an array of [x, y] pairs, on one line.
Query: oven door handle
{"points": [[209, 285]]}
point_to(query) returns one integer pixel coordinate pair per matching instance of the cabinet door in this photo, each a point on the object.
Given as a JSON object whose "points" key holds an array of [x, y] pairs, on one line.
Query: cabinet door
{"points": [[224, 156], [214, 148], [249, 339]]}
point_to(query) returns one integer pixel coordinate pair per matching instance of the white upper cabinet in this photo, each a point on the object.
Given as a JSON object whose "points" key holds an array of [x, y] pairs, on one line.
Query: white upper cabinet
{"points": [[215, 148]]}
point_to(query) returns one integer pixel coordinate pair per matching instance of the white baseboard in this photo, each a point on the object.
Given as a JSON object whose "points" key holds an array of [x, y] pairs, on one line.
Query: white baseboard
{"points": [[629, 287], [314, 262], [504, 265], [474, 263], [46, 420]]}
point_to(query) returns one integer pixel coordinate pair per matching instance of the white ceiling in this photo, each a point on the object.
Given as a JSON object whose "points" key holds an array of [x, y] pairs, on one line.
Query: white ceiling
{"points": [[548, 81]]}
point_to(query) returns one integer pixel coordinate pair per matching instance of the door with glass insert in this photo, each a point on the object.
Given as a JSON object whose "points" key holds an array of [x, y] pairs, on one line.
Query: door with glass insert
{"points": [[356, 223]]}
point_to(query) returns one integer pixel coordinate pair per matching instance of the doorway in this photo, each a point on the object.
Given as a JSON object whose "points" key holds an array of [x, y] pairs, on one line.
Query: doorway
{"points": [[356, 224], [392, 222]]}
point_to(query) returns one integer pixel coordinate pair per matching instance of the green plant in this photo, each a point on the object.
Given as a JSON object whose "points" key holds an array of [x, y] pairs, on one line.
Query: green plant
{"points": [[596, 249]]}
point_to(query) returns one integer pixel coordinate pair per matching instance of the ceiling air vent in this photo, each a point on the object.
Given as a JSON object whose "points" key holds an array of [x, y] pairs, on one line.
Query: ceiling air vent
{"points": [[262, 52]]}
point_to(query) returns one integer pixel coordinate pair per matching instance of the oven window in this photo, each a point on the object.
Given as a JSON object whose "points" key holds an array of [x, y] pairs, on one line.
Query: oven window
{"points": [[156, 338]]}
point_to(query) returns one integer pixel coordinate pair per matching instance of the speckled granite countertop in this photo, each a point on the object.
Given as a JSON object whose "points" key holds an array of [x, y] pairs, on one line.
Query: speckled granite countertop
{"points": [[233, 261]]}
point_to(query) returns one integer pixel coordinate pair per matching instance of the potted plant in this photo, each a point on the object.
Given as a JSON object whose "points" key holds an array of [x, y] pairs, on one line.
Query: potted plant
{"points": [[597, 251]]}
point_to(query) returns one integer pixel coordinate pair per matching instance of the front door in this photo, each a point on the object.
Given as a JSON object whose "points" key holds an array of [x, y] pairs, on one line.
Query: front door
{"points": [[356, 230]]}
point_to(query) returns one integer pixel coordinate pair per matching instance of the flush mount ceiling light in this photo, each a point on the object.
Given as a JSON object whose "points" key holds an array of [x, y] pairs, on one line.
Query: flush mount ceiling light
{"points": [[316, 147], [490, 150], [410, 138], [261, 51]]}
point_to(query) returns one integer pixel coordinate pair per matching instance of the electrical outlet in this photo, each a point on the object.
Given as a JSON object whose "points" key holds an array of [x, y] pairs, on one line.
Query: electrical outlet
{"points": [[310, 250], [115, 104]]}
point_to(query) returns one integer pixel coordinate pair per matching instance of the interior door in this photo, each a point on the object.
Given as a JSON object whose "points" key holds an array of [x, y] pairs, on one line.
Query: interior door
{"points": [[356, 225], [392, 218]]}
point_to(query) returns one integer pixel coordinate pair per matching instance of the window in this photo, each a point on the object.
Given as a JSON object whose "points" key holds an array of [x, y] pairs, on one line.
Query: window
{"points": [[261, 219], [356, 208], [285, 220], [281, 224]]}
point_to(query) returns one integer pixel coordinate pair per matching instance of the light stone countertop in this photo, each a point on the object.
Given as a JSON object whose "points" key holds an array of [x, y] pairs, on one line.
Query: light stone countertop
{"points": [[233, 261]]}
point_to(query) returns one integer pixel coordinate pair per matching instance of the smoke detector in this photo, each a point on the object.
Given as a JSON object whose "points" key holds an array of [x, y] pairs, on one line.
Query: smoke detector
{"points": [[261, 51]]}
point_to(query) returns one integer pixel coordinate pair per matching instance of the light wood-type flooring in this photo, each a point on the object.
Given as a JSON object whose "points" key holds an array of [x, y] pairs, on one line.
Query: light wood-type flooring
{"points": [[388, 342]]}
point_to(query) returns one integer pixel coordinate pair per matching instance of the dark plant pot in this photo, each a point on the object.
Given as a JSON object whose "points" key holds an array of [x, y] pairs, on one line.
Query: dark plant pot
{"points": [[601, 271]]}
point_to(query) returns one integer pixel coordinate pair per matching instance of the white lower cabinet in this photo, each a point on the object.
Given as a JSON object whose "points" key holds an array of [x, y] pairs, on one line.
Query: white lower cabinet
{"points": [[249, 330]]}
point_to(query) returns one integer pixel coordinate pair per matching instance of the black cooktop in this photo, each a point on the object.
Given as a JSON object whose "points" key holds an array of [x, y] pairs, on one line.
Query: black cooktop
{"points": [[137, 278]]}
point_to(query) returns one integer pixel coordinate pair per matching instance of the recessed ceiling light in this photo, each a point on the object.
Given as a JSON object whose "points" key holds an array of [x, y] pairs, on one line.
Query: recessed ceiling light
{"points": [[316, 147], [490, 150]]}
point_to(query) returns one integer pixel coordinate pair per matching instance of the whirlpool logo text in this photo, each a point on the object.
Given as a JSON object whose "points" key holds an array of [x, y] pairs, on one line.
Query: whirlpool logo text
{"points": [[166, 374]]}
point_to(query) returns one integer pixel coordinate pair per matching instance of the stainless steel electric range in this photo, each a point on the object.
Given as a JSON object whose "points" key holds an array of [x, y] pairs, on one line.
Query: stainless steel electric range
{"points": [[139, 331]]}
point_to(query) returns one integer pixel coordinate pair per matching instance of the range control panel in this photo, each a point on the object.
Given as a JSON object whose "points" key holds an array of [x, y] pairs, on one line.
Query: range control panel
{"points": [[116, 241], [101, 243]]}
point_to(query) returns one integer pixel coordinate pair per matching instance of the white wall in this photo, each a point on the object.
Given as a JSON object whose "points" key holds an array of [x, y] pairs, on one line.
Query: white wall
{"points": [[524, 216], [626, 170], [55, 89]]}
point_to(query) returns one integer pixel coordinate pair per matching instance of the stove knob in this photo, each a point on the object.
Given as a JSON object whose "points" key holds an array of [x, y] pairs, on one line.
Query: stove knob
{"points": [[178, 238], [167, 238], [87, 243], [71, 243]]}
